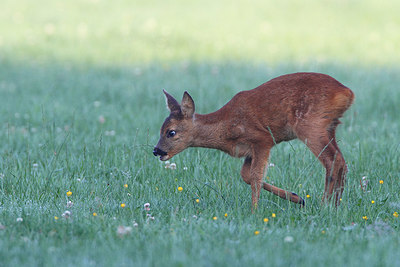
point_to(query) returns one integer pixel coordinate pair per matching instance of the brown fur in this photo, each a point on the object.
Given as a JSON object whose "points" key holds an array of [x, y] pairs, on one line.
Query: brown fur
{"points": [[300, 105]]}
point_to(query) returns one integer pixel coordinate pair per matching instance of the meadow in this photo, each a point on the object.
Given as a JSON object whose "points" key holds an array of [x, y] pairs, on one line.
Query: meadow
{"points": [[81, 105]]}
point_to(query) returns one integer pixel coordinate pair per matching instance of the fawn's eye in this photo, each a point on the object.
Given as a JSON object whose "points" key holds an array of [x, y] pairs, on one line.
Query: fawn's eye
{"points": [[171, 133]]}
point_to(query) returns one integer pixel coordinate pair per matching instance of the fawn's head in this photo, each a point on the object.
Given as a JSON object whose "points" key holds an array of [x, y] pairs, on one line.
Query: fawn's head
{"points": [[176, 133]]}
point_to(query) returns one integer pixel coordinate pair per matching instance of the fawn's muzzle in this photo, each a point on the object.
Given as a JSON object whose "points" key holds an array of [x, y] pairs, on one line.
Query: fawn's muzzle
{"points": [[159, 152]]}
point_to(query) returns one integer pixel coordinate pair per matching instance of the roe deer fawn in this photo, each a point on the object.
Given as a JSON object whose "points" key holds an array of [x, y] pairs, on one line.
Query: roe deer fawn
{"points": [[300, 105]]}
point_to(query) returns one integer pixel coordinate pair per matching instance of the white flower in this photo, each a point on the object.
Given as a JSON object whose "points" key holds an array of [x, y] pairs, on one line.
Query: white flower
{"points": [[167, 164], [124, 230], [146, 206], [109, 133], [70, 204], [364, 183], [102, 119], [19, 219], [66, 214], [172, 166], [185, 168], [288, 239]]}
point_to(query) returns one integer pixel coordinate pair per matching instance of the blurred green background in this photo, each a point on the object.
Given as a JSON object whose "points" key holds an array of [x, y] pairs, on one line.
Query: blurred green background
{"points": [[143, 32]]}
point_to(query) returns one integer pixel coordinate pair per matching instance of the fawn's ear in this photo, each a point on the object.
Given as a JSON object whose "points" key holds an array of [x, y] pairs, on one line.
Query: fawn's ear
{"points": [[172, 104], [187, 105]]}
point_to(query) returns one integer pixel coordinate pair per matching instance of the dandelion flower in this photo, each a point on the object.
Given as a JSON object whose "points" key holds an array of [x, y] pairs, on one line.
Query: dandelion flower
{"points": [[323, 232], [215, 218], [396, 214], [197, 200], [69, 193], [180, 189], [266, 220], [123, 205], [381, 181], [56, 218], [273, 215], [308, 196], [126, 185], [256, 232], [226, 215], [373, 201], [365, 218], [94, 214]]}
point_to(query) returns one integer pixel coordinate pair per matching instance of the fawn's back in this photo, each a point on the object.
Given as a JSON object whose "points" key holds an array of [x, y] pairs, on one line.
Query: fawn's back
{"points": [[289, 104]]}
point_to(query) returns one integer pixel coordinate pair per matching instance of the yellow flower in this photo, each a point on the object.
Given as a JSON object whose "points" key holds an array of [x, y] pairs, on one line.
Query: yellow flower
{"points": [[197, 200], [308, 196], [323, 232], [69, 193], [256, 232], [94, 214], [226, 215], [381, 181], [126, 185], [123, 205], [215, 218], [266, 220], [365, 217], [273, 215], [180, 189], [373, 201], [55, 218], [396, 214]]}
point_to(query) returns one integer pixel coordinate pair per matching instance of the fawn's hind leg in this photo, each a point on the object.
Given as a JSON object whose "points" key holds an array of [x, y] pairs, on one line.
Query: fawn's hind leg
{"points": [[325, 148]]}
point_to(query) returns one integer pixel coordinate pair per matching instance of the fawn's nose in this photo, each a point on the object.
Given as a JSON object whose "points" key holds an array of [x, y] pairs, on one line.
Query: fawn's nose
{"points": [[159, 152]]}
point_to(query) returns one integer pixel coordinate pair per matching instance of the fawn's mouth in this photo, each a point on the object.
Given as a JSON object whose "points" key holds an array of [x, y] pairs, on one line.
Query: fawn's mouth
{"points": [[163, 155], [164, 158]]}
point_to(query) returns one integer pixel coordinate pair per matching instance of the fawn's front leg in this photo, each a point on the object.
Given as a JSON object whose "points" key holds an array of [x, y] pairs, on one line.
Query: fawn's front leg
{"points": [[258, 167]]}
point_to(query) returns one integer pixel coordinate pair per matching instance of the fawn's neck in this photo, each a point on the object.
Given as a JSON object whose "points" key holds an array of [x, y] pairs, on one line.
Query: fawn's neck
{"points": [[210, 131]]}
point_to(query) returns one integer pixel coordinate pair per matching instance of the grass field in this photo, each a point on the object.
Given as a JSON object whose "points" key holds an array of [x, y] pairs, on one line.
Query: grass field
{"points": [[81, 104]]}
